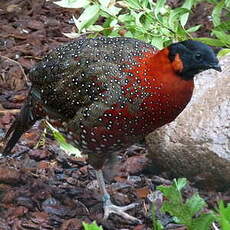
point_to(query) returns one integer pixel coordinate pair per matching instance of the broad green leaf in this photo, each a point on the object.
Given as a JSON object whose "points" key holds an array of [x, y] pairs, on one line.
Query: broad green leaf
{"points": [[147, 4], [223, 53], [213, 1], [105, 3], [227, 3], [113, 22], [203, 222], [138, 17], [92, 226], [110, 23], [221, 35], [195, 204], [223, 215], [125, 17], [185, 213], [193, 29], [156, 223], [133, 4], [62, 142], [140, 35], [113, 10], [174, 17], [88, 17], [181, 34], [159, 5], [186, 5], [114, 33], [95, 28], [158, 42], [216, 13], [180, 183], [149, 19], [210, 41], [129, 34], [224, 26], [73, 4]]}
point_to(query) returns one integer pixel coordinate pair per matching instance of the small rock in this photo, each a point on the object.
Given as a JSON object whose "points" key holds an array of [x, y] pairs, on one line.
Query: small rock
{"points": [[71, 224], [25, 201], [18, 211], [54, 207], [135, 164], [35, 25], [40, 217], [9, 175], [40, 154]]}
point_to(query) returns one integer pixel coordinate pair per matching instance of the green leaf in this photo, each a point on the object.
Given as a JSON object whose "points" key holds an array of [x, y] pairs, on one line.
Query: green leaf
{"points": [[216, 13], [62, 142], [113, 10], [125, 18], [222, 36], [105, 3], [73, 4], [92, 226], [223, 53], [88, 17], [211, 41], [113, 23], [224, 26], [114, 33], [147, 4], [193, 29], [138, 18], [203, 222], [158, 42], [129, 34], [159, 5], [186, 5], [180, 183], [223, 215], [174, 16], [227, 3], [133, 4], [156, 223], [195, 204], [95, 28]]}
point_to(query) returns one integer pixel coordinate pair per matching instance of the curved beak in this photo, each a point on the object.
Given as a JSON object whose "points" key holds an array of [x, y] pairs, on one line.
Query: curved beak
{"points": [[216, 67]]}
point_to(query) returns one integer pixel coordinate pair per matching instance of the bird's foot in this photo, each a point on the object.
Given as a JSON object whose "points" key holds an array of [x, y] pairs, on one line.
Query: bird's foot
{"points": [[109, 208]]}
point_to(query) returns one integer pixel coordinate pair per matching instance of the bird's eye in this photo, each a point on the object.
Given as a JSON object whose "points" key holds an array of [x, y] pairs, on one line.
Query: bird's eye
{"points": [[198, 56]]}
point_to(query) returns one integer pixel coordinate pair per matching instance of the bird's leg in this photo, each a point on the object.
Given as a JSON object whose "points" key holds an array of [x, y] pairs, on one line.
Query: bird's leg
{"points": [[109, 207]]}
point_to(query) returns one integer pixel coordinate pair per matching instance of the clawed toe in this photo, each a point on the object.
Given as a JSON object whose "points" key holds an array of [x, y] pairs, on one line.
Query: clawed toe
{"points": [[109, 207], [120, 210]]}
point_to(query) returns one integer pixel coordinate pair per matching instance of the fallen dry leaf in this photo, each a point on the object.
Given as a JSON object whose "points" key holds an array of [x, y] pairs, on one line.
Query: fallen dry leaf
{"points": [[142, 192]]}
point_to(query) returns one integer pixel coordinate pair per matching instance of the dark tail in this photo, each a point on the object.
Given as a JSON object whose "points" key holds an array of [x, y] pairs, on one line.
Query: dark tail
{"points": [[23, 122]]}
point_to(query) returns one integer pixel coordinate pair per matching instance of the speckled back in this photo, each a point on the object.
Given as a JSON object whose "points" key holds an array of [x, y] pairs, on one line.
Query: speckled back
{"points": [[85, 70]]}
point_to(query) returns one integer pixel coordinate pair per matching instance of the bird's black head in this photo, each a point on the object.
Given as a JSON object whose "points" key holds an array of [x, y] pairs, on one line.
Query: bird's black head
{"points": [[191, 57]]}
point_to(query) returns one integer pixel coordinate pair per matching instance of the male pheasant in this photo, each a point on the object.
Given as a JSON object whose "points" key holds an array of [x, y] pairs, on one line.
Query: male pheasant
{"points": [[105, 94]]}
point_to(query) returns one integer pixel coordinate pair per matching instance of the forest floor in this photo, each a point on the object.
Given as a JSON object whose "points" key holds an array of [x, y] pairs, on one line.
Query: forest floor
{"points": [[41, 187]]}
